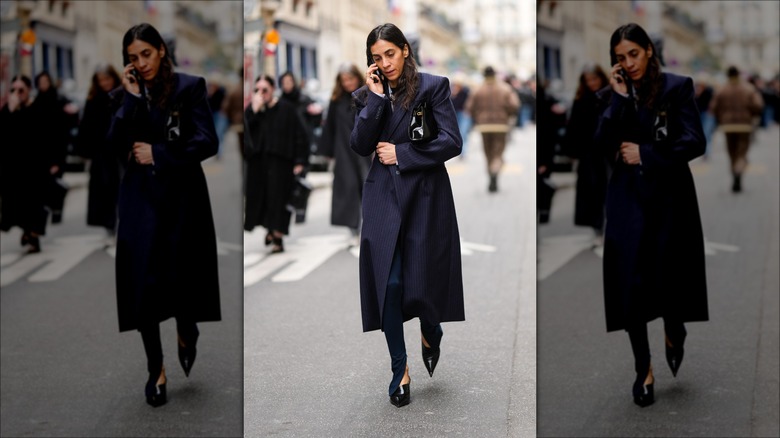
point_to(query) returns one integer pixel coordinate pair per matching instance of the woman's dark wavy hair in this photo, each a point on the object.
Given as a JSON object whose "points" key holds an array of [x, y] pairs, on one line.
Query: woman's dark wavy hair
{"points": [[651, 82], [407, 83], [163, 87], [94, 88], [338, 89], [582, 89], [266, 78]]}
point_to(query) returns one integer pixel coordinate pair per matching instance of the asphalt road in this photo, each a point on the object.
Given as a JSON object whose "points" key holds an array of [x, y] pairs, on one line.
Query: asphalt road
{"points": [[309, 369], [728, 382], [66, 369]]}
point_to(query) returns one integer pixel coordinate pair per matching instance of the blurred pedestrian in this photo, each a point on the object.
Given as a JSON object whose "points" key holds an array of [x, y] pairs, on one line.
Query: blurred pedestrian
{"points": [[166, 255], [654, 245], [410, 262], [25, 167], [349, 169], [734, 106], [104, 166], [216, 95], [492, 106], [276, 152], [591, 189], [460, 93], [233, 107], [58, 113], [308, 109], [703, 93], [551, 120]]}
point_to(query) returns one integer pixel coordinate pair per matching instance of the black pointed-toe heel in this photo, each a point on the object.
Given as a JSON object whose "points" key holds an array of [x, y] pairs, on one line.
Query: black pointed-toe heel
{"points": [[674, 352], [155, 394], [430, 358], [269, 238], [188, 350], [278, 245], [402, 396], [643, 394]]}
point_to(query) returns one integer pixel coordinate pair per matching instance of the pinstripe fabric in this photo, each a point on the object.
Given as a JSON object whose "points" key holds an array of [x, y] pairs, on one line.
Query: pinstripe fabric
{"points": [[411, 204]]}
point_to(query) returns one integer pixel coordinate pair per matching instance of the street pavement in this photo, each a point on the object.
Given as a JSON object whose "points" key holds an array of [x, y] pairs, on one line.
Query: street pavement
{"points": [[66, 369], [728, 382], [311, 371]]}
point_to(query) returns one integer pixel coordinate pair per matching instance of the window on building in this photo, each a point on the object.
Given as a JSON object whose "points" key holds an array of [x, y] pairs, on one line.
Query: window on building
{"points": [[290, 57], [45, 57], [304, 63], [314, 72]]}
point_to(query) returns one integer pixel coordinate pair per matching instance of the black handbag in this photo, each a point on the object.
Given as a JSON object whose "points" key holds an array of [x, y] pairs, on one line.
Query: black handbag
{"points": [[423, 126]]}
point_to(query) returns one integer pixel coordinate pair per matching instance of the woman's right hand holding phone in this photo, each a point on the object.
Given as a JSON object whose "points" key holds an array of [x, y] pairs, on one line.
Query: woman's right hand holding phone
{"points": [[617, 81], [129, 81], [373, 80]]}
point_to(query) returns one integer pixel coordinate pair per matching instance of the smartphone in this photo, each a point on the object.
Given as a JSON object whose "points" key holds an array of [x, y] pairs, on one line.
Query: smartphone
{"points": [[378, 73]]}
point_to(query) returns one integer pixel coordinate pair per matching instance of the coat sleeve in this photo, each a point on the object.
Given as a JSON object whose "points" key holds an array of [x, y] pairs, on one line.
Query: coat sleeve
{"points": [[445, 146], [369, 122], [326, 146], [125, 117], [200, 144], [684, 145]]}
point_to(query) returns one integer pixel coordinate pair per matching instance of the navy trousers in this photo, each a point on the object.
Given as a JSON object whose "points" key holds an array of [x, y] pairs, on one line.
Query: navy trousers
{"points": [[393, 323]]}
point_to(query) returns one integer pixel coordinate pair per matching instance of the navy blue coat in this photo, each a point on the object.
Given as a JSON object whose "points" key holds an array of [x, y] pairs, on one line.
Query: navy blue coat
{"points": [[166, 259], [654, 245], [411, 204]]}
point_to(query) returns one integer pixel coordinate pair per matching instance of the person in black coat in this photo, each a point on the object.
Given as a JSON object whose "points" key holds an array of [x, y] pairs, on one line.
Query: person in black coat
{"points": [[25, 167], [349, 169], [104, 167], [410, 263], [276, 152], [166, 256], [591, 165], [654, 245]]}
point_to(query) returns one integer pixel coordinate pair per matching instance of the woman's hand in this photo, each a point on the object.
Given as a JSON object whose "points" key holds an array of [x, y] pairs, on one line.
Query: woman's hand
{"points": [[630, 153], [616, 81], [258, 103], [297, 169], [372, 73], [142, 152], [386, 153], [128, 80]]}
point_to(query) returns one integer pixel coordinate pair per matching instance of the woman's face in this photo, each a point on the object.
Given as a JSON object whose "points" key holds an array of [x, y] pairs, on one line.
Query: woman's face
{"points": [[593, 82], [390, 59], [288, 84], [106, 82], [145, 58], [21, 90], [633, 58], [349, 82], [265, 90], [44, 83]]}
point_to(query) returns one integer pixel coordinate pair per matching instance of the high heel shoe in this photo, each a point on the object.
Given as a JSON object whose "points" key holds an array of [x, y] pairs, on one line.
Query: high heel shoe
{"points": [[269, 238], [430, 358], [402, 396], [188, 350], [155, 391], [675, 351], [34, 244], [643, 393]]}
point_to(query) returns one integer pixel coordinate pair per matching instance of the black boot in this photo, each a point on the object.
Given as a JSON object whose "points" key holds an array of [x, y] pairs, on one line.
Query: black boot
{"points": [[737, 186], [493, 187]]}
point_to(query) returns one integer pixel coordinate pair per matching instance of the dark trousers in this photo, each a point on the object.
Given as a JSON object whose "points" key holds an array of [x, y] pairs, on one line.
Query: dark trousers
{"points": [[640, 346], [393, 323], [150, 334]]}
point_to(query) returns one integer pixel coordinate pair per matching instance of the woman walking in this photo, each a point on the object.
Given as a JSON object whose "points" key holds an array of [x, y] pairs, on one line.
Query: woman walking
{"points": [[591, 165], [654, 246], [277, 151], [410, 262], [350, 169], [166, 259], [104, 168]]}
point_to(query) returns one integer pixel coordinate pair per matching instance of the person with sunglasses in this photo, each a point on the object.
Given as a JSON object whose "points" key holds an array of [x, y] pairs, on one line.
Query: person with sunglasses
{"points": [[277, 150], [24, 169], [166, 254]]}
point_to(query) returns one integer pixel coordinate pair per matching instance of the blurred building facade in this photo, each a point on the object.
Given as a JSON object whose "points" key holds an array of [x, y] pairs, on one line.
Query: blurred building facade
{"points": [[72, 37], [695, 35]]}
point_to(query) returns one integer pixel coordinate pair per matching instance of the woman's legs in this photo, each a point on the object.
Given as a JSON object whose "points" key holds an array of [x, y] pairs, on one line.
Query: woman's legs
{"points": [[393, 322], [150, 334], [643, 384]]}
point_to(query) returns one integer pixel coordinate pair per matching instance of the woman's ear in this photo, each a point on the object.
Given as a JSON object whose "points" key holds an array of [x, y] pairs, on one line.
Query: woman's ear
{"points": [[649, 52], [406, 50], [162, 52]]}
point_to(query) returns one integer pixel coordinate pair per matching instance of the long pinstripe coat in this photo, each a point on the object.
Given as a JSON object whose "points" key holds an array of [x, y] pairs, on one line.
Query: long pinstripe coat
{"points": [[654, 245], [410, 204]]}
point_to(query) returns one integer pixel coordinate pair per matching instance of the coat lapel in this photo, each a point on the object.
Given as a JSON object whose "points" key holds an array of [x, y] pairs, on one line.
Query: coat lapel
{"points": [[399, 114]]}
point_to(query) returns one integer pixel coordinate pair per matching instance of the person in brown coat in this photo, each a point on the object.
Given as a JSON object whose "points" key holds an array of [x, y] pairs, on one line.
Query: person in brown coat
{"points": [[491, 108], [734, 107]]}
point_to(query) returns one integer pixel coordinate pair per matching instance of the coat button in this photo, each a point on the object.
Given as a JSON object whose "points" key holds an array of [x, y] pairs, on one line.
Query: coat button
{"points": [[397, 172]]}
